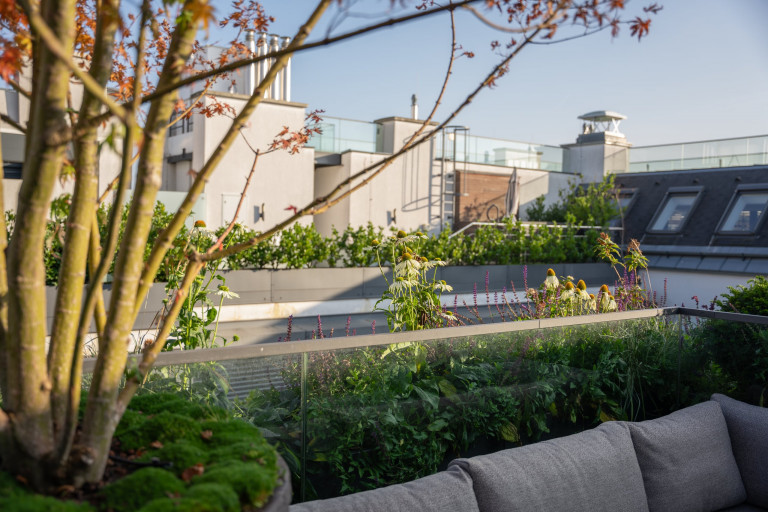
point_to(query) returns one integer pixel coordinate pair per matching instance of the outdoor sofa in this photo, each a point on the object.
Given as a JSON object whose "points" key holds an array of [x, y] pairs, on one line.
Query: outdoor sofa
{"points": [[707, 457]]}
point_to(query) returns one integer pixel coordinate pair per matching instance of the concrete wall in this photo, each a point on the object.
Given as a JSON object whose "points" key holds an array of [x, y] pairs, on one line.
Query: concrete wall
{"points": [[326, 179], [682, 285], [594, 160], [341, 284], [281, 179]]}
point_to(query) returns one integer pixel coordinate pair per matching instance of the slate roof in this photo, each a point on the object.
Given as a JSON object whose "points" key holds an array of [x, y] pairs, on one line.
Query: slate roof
{"points": [[698, 246]]}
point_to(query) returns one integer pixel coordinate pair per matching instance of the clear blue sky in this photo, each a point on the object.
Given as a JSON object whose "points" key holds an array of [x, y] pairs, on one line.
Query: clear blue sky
{"points": [[702, 73]]}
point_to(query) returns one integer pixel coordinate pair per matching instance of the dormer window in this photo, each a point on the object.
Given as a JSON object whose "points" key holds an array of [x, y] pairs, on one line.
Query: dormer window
{"points": [[626, 198], [675, 209], [746, 210]]}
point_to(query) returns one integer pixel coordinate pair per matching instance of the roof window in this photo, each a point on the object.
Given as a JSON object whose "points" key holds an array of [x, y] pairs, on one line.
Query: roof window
{"points": [[746, 209], [675, 210]]}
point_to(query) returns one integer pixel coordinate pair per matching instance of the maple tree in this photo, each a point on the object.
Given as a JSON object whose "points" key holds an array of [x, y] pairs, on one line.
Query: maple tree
{"points": [[130, 67]]}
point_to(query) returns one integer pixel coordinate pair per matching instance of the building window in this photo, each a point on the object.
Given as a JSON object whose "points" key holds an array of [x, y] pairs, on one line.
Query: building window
{"points": [[12, 170], [746, 209], [626, 198], [675, 210]]}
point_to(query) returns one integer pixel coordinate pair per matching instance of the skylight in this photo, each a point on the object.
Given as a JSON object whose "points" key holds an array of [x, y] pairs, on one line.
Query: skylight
{"points": [[675, 209], [746, 210]]}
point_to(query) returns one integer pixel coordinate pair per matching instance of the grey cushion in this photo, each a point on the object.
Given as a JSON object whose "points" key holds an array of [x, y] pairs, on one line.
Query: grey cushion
{"points": [[687, 461], [449, 490], [748, 429], [744, 507], [590, 471]]}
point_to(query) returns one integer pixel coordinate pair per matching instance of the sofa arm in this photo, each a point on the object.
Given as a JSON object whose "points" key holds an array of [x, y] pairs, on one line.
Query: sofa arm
{"points": [[748, 430]]}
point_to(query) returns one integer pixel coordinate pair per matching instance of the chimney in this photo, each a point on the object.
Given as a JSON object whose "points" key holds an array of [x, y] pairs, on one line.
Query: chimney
{"points": [[414, 107], [274, 45], [287, 73], [250, 73]]}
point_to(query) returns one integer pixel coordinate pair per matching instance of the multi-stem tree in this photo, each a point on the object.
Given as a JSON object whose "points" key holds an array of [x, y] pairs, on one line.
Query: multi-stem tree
{"points": [[129, 67]]}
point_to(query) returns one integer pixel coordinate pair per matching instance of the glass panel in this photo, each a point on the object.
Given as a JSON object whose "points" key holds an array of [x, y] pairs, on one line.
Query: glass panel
{"points": [[746, 212], [346, 420], [489, 151], [699, 155], [674, 212], [339, 135]]}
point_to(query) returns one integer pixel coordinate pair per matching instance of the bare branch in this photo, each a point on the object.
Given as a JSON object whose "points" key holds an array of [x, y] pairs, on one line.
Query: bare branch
{"points": [[13, 123], [232, 223], [300, 48], [18, 88], [320, 204], [164, 240], [522, 30], [37, 22]]}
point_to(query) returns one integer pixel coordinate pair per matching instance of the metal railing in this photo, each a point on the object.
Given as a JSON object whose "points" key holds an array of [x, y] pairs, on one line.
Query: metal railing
{"points": [[292, 374], [736, 152]]}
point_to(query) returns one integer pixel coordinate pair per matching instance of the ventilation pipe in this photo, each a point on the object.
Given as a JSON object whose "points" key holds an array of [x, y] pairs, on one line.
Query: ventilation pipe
{"points": [[262, 65], [274, 46], [286, 74], [414, 107], [250, 73], [260, 46]]}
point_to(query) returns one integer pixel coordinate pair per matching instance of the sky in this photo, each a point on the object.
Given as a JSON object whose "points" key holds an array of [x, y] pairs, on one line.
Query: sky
{"points": [[701, 73]]}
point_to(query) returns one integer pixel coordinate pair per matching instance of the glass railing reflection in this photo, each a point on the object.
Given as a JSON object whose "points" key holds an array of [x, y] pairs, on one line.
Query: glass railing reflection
{"points": [[348, 418]]}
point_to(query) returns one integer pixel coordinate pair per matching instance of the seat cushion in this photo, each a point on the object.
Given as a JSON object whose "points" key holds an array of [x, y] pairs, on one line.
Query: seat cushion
{"points": [[687, 461], [591, 471], [748, 429], [744, 507], [447, 490]]}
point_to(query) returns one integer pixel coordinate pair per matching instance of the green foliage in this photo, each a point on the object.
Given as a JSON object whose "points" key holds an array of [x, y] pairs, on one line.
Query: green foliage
{"points": [[412, 299], [303, 247], [593, 205], [749, 300], [383, 415], [739, 351], [131, 492]]}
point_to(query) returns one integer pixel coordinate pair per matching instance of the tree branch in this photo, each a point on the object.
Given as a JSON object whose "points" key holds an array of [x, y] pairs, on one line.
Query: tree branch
{"points": [[166, 237], [323, 203], [299, 48], [13, 123], [56, 47]]}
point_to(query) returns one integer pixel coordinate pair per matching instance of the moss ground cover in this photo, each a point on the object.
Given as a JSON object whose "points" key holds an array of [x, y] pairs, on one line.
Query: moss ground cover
{"points": [[212, 462]]}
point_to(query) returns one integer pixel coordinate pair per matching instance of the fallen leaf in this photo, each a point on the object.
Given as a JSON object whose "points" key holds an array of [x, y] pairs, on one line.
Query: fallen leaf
{"points": [[156, 445], [192, 471], [206, 434]]}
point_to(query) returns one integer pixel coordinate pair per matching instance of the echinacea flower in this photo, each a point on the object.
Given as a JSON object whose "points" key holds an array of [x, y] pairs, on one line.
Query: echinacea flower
{"points": [[225, 292], [551, 282], [568, 292]]}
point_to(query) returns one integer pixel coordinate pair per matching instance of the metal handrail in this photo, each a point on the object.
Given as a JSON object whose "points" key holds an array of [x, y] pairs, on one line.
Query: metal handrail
{"points": [[529, 224], [297, 347]]}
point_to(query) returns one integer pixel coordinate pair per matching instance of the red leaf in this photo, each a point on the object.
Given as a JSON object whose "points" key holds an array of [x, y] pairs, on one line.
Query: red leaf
{"points": [[192, 471]]}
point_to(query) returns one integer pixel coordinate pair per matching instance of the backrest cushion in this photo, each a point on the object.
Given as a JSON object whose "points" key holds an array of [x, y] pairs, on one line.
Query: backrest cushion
{"points": [[591, 471], [748, 429], [447, 490], [687, 461]]}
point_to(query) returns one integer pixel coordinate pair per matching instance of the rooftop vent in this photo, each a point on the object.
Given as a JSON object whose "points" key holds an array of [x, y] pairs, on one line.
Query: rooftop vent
{"points": [[603, 122]]}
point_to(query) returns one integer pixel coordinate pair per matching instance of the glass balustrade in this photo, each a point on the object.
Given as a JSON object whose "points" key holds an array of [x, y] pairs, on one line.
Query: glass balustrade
{"points": [[349, 414]]}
